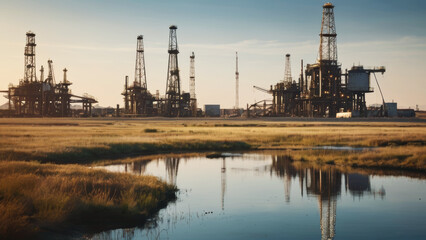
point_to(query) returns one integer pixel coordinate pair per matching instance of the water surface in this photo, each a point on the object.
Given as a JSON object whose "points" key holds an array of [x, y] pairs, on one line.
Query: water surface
{"points": [[267, 196]]}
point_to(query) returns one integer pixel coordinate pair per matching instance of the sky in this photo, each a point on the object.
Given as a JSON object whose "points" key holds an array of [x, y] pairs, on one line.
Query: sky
{"points": [[96, 41]]}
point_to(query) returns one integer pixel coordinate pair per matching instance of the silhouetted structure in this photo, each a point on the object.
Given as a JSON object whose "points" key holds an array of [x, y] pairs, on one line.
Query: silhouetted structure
{"points": [[322, 90], [173, 94], [237, 83], [138, 101], [192, 85], [34, 97]]}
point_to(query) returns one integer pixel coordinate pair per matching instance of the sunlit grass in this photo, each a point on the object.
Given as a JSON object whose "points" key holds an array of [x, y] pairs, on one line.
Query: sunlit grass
{"points": [[406, 158], [35, 196], [85, 141]]}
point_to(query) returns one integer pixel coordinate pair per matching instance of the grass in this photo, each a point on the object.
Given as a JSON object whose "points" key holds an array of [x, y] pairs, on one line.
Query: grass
{"points": [[38, 197], [411, 158], [86, 141]]}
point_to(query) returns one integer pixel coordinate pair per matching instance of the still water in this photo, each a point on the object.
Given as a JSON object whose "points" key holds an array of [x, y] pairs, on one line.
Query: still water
{"points": [[267, 196]]}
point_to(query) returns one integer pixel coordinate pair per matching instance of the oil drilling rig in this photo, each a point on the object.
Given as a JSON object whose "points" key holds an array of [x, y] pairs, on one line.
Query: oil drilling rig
{"points": [[42, 97], [322, 90], [138, 101]]}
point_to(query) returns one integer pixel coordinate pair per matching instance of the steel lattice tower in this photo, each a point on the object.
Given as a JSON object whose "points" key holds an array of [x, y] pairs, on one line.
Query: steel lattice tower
{"points": [[140, 74], [329, 85], [287, 71], [192, 85], [173, 98], [237, 83], [328, 45], [30, 58]]}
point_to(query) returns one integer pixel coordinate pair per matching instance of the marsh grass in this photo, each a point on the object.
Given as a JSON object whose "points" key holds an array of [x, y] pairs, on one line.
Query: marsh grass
{"points": [[87, 141], [35, 197], [87, 155], [410, 158]]}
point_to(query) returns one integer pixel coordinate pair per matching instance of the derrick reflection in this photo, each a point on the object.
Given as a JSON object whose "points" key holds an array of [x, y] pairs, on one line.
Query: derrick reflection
{"points": [[137, 168], [325, 183], [172, 167]]}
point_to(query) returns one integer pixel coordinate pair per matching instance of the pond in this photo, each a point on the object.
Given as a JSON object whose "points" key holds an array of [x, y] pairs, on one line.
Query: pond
{"points": [[268, 196]]}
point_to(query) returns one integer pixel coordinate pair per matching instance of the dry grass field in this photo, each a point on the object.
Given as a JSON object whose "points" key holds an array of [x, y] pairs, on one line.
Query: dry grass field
{"points": [[84, 141]]}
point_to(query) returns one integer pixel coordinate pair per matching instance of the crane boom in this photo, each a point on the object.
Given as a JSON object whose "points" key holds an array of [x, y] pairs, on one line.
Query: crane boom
{"points": [[262, 89]]}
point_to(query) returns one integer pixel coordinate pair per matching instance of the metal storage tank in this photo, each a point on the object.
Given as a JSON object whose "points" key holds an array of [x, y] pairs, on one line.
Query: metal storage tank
{"points": [[358, 80]]}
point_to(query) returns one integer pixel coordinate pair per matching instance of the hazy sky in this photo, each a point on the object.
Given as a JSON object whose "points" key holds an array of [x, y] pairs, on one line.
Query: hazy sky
{"points": [[96, 42]]}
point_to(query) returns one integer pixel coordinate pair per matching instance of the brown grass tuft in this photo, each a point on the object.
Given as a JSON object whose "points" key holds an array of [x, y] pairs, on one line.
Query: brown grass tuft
{"points": [[36, 196]]}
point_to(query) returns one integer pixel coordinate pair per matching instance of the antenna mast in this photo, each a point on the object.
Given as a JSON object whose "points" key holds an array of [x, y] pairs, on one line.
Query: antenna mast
{"points": [[237, 84], [192, 85]]}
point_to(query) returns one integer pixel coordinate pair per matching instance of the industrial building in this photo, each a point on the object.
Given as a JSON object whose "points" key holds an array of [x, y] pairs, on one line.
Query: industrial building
{"points": [[43, 97], [212, 110], [322, 90]]}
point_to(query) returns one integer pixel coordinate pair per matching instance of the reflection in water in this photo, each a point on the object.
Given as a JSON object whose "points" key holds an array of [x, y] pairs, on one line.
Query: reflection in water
{"points": [[359, 185], [172, 166], [223, 182], [138, 167], [323, 183]]}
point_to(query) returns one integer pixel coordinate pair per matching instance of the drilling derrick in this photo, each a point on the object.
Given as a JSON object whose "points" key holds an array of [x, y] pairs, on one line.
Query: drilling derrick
{"points": [[30, 58], [140, 75], [328, 46], [173, 94], [193, 98], [140, 98], [326, 93], [237, 83], [287, 72], [137, 98], [285, 94], [329, 70]]}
